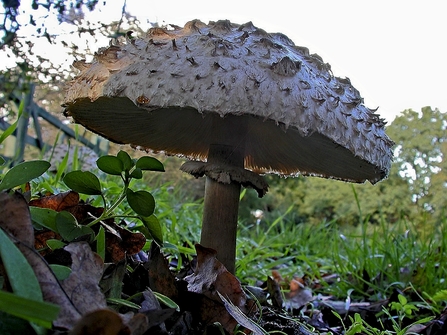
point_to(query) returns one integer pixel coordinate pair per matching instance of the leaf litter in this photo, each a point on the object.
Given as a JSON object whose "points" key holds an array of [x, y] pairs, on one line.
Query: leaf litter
{"points": [[148, 297]]}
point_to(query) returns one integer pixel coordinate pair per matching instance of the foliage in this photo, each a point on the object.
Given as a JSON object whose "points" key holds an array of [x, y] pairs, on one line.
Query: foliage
{"points": [[369, 260], [415, 190], [421, 157], [28, 28]]}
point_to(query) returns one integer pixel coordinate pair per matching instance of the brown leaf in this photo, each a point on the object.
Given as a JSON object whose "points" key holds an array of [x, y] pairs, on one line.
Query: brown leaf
{"points": [[121, 242], [131, 242], [241, 318], [68, 201], [299, 295], [274, 290], [103, 322], [42, 236], [57, 202], [211, 277], [15, 217], [85, 213], [82, 284], [161, 279]]}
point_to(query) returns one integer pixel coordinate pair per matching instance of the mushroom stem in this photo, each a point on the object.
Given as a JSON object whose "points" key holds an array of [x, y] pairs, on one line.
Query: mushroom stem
{"points": [[221, 206]]}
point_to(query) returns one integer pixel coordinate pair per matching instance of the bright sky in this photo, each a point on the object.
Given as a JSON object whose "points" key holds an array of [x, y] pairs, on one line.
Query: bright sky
{"points": [[394, 51]]}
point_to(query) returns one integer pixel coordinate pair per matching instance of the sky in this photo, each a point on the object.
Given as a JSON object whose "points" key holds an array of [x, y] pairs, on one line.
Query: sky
{"points": [[393, 51]]}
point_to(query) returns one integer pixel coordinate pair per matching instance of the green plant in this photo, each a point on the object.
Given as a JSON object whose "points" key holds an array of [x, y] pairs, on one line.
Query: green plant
{"points": [[141, 202], [360, 326]]}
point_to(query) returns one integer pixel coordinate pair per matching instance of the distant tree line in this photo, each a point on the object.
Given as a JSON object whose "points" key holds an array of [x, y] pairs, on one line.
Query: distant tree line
{"points": [[416, 189]]}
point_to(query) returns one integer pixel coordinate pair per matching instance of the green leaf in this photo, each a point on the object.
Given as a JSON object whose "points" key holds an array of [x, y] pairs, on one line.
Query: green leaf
{"points": [[20, 273], [62, 166], [38, 312], [150, 164], [55, 244], [142, 202], [154, 228], [83, 182], [137, 174], [402, 299], [61, 272], [101, 243], [440, 296], [68, 227], [23, 173], [166, 301], [13, 127], [44, 217], [110, 165], [125, 159], [122, 302], [2, 160]]}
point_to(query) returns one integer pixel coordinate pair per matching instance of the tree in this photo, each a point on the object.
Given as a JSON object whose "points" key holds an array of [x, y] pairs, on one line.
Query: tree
{"points": [[420, 155], [415, 189]]}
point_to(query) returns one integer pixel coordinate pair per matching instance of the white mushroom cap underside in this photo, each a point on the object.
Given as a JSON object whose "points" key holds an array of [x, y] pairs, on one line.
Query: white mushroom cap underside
{"points": [[149, 93]]}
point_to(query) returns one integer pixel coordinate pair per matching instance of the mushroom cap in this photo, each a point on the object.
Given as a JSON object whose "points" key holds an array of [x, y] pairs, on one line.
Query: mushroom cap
{"points": [[170, 90]]}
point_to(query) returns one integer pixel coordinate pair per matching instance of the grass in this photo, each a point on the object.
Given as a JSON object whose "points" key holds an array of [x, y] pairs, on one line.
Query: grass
{"points": [[368, 261]]}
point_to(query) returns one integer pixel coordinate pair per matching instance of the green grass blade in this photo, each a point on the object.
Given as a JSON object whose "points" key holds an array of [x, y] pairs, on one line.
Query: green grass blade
{"points": [[39, 312], [13, 127]]}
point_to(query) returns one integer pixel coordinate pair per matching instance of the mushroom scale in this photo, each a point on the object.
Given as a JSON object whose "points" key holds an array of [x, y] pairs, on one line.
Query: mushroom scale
{"points": [[172, 89]]}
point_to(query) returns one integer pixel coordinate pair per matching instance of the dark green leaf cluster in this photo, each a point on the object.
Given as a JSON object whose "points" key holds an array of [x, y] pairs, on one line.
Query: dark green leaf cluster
{"points": [[142, 202]]}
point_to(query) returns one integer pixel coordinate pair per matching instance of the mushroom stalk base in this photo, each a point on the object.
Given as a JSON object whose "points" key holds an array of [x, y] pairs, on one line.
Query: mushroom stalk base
{"points": [[221, 206]]}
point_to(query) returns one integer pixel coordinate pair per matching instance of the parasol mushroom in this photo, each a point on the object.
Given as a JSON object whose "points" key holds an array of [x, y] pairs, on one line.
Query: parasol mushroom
{"points": [[239, 102]]}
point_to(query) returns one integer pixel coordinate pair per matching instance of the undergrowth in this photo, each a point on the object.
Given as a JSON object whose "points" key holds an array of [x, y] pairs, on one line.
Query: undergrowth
{"points": [[363, 263]]}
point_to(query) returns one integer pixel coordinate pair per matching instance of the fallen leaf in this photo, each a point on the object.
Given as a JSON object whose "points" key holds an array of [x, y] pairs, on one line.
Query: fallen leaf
{"points": [[161, 279], [241, 318], [211, 278], [131, 242], [15, 218], [69, 201], [121, 242], [103, 321], [274, 290], [41, 238], [82, 285], [57, 202], [150, 306], [299, 295]]}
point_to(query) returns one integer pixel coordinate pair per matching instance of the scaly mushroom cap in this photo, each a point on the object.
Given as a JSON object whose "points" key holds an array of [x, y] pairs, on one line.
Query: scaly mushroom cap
{"points": [[164, 92]]}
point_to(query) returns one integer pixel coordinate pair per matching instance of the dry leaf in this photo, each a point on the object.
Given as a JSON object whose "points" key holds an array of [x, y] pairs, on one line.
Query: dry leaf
{"points": [[121, 242], [82, 285], [100, 322], [131, 242], [161, 279], [57, 202], [41, 237], [69, 201], [274, 290], [241, 318], [15, 217], [211, 278]]}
